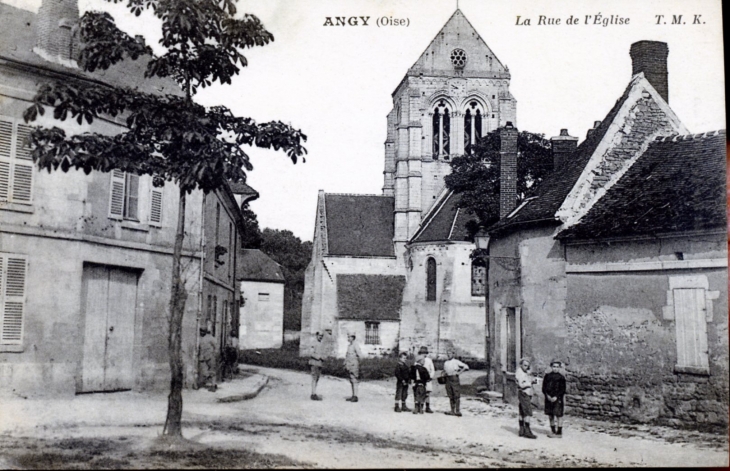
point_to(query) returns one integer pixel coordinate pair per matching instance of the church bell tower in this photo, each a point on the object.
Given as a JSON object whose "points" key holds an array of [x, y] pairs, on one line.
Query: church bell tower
{"points": [[456, 92]]}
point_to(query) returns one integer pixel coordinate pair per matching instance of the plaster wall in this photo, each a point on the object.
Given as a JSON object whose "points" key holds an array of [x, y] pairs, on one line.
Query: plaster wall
{"points": [[262, 315], [388, 338]]}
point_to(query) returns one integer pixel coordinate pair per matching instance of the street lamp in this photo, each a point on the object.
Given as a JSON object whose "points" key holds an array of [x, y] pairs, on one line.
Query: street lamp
{"points": [[481, 240]]}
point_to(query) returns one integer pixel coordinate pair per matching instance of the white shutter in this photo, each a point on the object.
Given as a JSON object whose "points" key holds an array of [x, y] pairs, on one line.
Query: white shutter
{"points": [[6, 141], [116, 198], [156, 207], [14, 269], [22, 183]]}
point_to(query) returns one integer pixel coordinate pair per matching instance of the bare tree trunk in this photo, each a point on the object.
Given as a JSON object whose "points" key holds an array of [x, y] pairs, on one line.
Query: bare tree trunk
{"points": [[178, 296]]}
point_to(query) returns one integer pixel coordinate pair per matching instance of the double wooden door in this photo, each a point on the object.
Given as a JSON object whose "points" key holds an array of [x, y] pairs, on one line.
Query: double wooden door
{"points": [[109, 301]]}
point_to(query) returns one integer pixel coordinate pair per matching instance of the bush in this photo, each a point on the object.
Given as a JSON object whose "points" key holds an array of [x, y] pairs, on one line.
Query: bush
{"points": [[287, 357]]}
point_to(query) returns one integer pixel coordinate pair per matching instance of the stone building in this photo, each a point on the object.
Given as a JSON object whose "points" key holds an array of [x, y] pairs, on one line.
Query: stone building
{"points": [[261, 283], [411, 240], [85, 260], [618, 266]]}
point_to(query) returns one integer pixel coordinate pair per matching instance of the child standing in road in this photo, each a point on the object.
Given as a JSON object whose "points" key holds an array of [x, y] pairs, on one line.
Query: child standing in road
{"points": [[402, 379], [419, 376]]}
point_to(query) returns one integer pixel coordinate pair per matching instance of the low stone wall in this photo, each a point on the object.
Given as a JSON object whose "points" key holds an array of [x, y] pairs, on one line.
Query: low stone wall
{"points": [[680, 400]]}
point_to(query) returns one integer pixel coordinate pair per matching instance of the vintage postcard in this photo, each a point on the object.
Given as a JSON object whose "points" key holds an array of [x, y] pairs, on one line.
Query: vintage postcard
{"points": [[363, 234]]}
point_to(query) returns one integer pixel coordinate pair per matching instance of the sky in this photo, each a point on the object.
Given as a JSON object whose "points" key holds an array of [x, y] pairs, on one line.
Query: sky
{"points": [[335, 83]]}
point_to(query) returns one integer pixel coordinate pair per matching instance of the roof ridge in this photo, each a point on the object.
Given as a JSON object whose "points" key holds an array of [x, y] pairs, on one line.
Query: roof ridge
{"points": [[357, 194], [690, 136]]}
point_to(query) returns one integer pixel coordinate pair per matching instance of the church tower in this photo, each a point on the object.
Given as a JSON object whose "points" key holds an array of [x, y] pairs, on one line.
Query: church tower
{"points": [[456, 92]]}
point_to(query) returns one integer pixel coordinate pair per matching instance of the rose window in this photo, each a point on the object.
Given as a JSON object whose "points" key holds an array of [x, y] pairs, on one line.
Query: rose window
{"points": [[458, 58]]}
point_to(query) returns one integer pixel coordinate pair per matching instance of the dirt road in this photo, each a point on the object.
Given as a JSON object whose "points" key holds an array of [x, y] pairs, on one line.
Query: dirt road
{"points": [[285, 428]]}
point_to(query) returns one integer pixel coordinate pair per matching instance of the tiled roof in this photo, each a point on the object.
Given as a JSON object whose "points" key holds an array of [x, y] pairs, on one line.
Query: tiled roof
{"points": [[678, 184], [360, 225], [557, 185], [18, 30], [254, 265], [446, 222], [370, 297]]}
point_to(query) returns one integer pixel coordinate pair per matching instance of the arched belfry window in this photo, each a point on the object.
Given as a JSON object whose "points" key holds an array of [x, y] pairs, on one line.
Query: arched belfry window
{"points": [[478, 277], [431, 279], [441, 127], [472, 125]]}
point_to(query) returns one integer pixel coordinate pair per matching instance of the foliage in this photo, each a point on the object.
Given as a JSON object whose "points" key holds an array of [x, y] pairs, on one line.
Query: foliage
{"points": [[169, 137], [251, 235], [293, 255], [475, 176]]}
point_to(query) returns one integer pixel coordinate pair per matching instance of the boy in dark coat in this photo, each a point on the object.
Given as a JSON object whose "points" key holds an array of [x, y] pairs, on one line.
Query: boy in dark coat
{"points": [[553, 387], [402, 379], [419, 376]]}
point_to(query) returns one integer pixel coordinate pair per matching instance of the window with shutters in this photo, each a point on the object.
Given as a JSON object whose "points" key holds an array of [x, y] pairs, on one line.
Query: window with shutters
{"points": [[124, 201], [13, 271], [16, 163]]}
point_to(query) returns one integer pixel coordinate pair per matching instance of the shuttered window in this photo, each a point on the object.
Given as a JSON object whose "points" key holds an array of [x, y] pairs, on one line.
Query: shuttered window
{"points": [[690, 313], [124, 199], [13, 270], [16, 163]]}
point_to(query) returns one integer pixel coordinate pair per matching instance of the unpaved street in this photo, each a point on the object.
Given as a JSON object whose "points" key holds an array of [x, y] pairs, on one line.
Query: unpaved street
{"points": [[284, 422]]}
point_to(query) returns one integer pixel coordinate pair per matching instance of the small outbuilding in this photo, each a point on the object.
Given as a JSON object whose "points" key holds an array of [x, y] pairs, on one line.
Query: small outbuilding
{"points": [[262, 293]]}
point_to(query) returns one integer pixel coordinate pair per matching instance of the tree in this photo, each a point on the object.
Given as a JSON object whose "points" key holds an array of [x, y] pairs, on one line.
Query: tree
{"points": [[251, 234], [475, 175], [169, 137], [293, 255]]}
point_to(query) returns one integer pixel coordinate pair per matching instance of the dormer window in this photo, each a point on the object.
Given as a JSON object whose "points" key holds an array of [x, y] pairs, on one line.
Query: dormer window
{"points": [[441, 130]]}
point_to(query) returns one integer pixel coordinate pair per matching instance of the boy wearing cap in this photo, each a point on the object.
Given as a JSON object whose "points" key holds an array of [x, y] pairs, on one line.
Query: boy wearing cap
{"points": [[402, 379], [352, 365], [419, 376], [553, 387], [428, 364]]}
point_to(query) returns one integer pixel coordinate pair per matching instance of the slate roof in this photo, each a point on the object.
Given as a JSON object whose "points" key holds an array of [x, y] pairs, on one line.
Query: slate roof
{"points": [[370, 297], [557, 185], [678, 184], [18, 30], [446, 222], [241, 188], [254, 265], [360, 225]]}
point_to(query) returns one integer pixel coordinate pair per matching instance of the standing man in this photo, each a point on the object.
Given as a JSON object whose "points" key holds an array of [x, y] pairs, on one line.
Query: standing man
{"points": [[206, 358], [452, 369], [524, 395], [428, 364], [317, 357], [352, 364], [553, 387]]}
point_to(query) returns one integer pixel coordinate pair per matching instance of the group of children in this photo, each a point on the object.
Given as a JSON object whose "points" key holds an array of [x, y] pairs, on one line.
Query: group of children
{"points": [[421, 374]]}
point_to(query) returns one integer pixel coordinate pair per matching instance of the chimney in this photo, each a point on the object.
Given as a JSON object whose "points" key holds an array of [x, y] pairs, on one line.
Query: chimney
{"points": [[595, 126], [140, 39], [508, 169], [650, 57], [55, 28], [562, 146]]}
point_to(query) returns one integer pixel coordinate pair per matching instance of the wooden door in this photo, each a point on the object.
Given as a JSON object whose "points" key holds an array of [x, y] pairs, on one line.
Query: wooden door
{"points": [[690, 317], [110, 299]]}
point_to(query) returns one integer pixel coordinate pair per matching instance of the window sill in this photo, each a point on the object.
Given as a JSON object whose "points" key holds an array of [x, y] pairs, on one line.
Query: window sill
{"points": [[692, 370], [135, 226], [17, 207], [11, 349]]}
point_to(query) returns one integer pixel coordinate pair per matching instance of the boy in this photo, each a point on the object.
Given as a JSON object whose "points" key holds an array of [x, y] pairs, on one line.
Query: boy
{"points": [[428, 364], [419, 376], [524, 395], [402, 379], [553, 387]]}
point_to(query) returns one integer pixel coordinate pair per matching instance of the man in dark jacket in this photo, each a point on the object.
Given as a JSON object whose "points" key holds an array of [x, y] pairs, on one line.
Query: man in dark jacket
{"points": [[402, 379], [553, 387]]}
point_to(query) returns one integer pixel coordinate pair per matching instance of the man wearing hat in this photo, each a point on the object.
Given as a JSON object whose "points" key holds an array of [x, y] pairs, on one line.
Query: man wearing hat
{"points": [[315, 362], [553, 387], [206, 358], [352, 364], [428, 364]]}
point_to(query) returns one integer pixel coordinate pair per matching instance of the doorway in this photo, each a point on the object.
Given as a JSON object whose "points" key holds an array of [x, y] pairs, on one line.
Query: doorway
{"points": [[109, 300]]}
